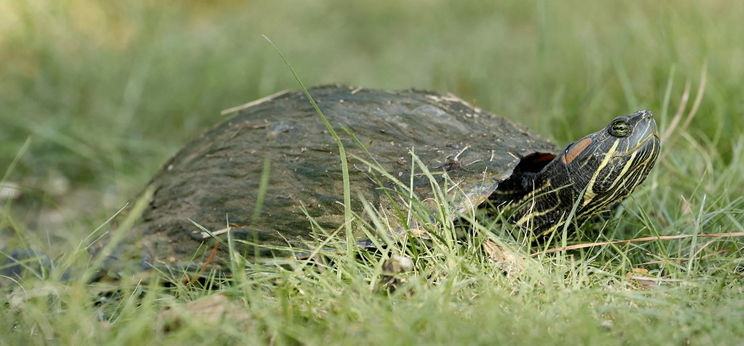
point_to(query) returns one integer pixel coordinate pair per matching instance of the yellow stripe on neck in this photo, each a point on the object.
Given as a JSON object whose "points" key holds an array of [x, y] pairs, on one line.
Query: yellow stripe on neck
{"points": [[590, 194]]}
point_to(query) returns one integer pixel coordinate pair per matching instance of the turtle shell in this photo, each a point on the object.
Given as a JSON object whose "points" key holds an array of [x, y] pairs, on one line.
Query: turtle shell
{"points": [[214, 180]]}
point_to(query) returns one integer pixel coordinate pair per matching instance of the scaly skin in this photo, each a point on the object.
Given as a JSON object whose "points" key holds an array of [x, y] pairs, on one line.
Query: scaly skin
{"points": [[592, 174]]}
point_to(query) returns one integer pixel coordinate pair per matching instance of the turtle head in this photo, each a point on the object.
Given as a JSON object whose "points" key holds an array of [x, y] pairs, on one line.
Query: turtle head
{"points": [[612, 160], [591, 174]]}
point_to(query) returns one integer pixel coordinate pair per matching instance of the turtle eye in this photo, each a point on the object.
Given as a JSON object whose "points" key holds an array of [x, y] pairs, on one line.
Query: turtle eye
{"points": [[619, 128]]}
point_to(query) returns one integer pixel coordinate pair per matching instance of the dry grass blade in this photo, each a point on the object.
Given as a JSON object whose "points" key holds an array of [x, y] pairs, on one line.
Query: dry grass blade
{"points": [[698, 97], [683, 105], [212, 257], [678, 115], [638, 240], [682, 260], [254, 102]]}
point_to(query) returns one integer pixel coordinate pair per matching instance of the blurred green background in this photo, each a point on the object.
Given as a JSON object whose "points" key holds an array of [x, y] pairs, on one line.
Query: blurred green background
{"points": [[108, 90]]}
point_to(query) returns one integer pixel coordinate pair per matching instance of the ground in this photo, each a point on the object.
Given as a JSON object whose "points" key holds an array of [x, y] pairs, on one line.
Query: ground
{"points": [[95, 96]]}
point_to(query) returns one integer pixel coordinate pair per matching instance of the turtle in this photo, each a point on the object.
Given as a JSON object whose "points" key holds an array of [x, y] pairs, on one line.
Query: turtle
{"points": [[270, 175]]}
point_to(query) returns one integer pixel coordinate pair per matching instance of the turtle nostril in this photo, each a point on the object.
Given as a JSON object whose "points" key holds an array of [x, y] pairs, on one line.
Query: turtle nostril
{"points": [[646, 113]]}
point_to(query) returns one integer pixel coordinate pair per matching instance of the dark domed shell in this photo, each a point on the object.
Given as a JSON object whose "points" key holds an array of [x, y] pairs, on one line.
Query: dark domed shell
{"points": [[214, 180]]}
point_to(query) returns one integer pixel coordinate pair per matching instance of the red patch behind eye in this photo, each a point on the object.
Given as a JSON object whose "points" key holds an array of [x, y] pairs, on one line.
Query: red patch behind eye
{"points": [[575, 150]]}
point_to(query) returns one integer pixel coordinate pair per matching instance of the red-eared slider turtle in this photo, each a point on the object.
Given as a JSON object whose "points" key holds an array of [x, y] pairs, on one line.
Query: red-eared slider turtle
{"points": [[214, 182]]}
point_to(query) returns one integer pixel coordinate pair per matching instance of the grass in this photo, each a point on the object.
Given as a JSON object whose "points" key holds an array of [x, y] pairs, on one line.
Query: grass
{"points": [[106, 92]]}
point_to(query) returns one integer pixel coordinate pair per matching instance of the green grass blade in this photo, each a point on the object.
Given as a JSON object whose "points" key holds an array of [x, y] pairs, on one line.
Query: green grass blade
{"points": [[336, 138]]}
